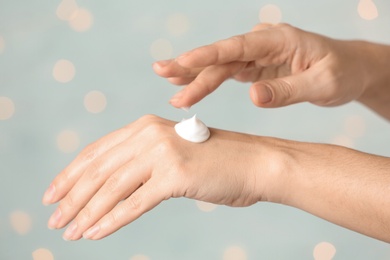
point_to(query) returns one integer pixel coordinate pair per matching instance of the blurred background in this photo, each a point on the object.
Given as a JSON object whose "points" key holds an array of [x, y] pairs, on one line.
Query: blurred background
{"points": [[73, 71]]}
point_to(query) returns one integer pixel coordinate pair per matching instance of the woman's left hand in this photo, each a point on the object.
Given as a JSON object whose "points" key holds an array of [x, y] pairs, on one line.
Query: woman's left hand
{"points": [[145, 163]]}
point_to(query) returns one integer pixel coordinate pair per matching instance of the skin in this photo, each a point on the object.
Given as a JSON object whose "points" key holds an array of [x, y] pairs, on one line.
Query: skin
{"points": [[286, 65], [146, 162]]}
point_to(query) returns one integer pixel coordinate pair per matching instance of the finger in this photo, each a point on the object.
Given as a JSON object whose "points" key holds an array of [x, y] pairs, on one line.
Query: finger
{"points": [[257, 73], [148, 196], [265, 45], [181, 81], [94, 176], [118, 187], [250, 73], [68, 177], [170, 68], [285, 91], [206, 82], [99, 169]]}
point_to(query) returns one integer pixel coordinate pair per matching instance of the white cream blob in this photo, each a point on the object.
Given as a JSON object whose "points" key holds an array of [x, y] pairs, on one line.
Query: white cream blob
{"points": [[192, 130]]}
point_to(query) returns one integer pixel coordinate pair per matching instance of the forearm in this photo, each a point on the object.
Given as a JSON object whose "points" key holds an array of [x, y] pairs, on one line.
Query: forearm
{"points": [[377, 69], [343, 186]]}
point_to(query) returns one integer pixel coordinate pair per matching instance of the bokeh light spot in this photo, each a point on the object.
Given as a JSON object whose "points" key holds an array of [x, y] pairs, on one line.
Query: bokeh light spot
{"points": [[68, 141], [7, 108], [2, 44], [66, 9], [234, 253], [270, 14], [205, 206], [21, 222], [355, 126], [81, 20], [161, 49], [64, 71], [139, 257], [95, 102], [177, 24], [42, 254], [324, 251], [367, 10]]}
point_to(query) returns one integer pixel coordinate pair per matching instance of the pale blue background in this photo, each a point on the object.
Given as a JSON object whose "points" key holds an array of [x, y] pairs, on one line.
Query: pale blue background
{"points": [[114, 58]]}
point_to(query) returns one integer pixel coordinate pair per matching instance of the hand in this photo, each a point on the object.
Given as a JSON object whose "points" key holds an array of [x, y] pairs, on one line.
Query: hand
{"points": [[130, 171], [285, 64], [145, 163]]}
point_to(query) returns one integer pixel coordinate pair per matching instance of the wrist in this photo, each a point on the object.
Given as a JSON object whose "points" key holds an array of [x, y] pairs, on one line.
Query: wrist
{"points": [[276, 164]]}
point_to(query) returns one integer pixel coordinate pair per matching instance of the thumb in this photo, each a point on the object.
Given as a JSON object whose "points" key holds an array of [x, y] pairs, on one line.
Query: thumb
{"points": [[281, 92]]}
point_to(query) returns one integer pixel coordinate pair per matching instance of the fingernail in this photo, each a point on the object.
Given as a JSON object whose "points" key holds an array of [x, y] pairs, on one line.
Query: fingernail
{"points": [[91, 232], [263, 93], [70, 231], [187, 109], [176, 97], [54, 219], [49, 195]]}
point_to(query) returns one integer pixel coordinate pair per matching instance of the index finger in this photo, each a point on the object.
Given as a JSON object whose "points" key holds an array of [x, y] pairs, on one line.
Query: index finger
{"points": [[267, 45]]}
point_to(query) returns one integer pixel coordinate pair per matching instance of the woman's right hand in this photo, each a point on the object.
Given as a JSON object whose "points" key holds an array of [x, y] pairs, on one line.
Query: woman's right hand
{"points": [[286, 65]]}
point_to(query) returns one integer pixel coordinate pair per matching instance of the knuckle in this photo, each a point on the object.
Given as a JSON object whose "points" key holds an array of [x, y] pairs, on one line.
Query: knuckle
{"points": [[144, 120], [179, 80], [289, 31], [113, 218], [65, 177], [240, 42], [90, 152], [85, 214], [286, 26], [203, 86], [262, 26], [148, 118], [287, 88], [70, 201], [154, 128], [257, 27], [238, 38], [134, 202], [94, 170], [111, 185]]}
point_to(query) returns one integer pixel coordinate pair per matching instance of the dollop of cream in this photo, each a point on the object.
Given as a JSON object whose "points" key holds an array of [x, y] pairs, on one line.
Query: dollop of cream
{"points": [[192, 130]]}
